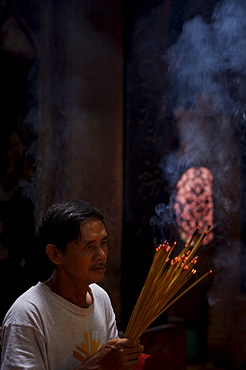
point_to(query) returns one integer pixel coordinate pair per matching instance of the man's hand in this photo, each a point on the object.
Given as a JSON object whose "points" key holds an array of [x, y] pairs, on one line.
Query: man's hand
{"points": [[123, 352], [116, 354]]}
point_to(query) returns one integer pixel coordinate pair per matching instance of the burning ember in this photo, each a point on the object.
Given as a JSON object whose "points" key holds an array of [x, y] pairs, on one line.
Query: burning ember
{"points": [[162, 287]]}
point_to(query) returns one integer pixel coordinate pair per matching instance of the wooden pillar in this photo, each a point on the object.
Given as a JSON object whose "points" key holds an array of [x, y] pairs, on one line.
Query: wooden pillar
{"points": [[80, 127]]}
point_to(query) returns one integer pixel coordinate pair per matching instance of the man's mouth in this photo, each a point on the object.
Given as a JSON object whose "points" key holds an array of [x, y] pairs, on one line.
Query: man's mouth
{"points": [[100, 267]]}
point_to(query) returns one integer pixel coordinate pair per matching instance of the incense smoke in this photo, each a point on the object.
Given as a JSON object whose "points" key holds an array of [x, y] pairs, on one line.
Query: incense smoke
{"points": [[210, 59], [207, 93]]}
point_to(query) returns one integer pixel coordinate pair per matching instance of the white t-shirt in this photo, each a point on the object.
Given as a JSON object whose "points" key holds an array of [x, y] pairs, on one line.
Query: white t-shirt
{"points": [[44, 331]]}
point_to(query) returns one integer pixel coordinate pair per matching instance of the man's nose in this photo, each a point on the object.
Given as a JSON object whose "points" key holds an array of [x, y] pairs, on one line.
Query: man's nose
{"points": [[100, 252]]}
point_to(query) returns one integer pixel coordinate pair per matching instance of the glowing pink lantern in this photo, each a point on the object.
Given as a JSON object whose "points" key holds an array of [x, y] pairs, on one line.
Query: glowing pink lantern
{"points": [[194, 202]]}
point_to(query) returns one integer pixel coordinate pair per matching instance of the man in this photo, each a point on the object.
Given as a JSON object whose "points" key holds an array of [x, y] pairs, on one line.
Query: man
{"points": [[68, 322]]}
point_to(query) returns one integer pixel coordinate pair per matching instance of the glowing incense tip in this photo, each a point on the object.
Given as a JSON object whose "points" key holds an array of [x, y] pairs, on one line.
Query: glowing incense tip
{"points": [[194, 260]]}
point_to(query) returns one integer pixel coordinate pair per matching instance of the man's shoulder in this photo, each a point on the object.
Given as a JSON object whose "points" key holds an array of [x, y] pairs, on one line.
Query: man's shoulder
{"points": [[25, 304], [29, 295], [99, 292], [97, 288]]}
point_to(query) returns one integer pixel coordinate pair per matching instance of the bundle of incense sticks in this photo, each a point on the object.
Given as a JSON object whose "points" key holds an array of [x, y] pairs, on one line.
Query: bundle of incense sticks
{"points": [[165, 279]]}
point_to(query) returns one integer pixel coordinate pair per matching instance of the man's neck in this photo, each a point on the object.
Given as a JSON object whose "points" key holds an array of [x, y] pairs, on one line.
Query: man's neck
{"points": [[77, 294]]}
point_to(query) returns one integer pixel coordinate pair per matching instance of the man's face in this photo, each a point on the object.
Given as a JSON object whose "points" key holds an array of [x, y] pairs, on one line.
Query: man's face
{"points": [[85, 261]]}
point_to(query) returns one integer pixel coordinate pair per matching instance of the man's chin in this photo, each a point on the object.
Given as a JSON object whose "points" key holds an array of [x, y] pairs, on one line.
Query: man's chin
{"points": [[97, 276]]}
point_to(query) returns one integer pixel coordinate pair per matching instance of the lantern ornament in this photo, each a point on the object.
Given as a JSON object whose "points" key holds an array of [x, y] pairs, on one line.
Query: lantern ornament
{"points": [[193, 204]]}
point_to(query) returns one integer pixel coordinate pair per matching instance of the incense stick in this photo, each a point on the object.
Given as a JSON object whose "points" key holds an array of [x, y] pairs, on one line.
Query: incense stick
{"points": [[165, 279]]}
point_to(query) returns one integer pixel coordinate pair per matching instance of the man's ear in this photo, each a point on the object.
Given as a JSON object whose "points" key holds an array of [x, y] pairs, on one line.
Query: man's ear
{"points": [[53, 253]]}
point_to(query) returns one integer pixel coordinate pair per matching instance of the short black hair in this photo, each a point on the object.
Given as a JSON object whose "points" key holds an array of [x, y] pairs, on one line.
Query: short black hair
{"points": [[61, 222]]}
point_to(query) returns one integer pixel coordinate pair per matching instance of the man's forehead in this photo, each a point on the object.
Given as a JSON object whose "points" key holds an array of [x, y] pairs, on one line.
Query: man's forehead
{"points": [[93, 227], [91, 222]]}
